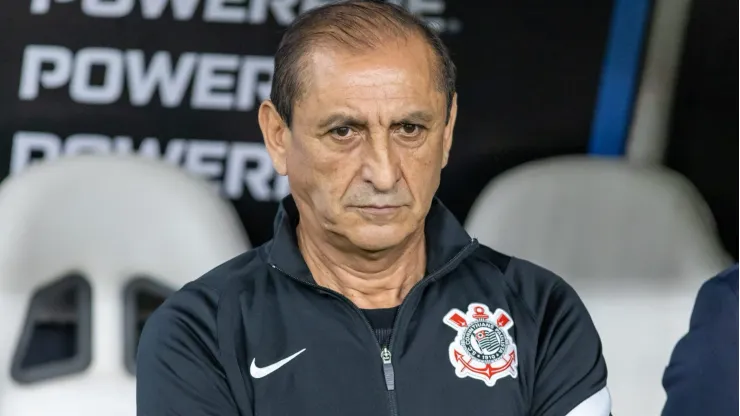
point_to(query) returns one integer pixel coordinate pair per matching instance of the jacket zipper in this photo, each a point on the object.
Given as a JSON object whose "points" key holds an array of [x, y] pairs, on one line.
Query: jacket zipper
{"points": [[390, 378], [385, 350]]}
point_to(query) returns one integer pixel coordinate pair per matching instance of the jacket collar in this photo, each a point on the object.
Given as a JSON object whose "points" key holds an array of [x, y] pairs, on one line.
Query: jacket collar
{"points": [[445, 238]]}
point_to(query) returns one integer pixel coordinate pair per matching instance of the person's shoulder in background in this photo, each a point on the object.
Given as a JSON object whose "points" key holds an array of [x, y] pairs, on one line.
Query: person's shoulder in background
{"points": [[702, 376]]}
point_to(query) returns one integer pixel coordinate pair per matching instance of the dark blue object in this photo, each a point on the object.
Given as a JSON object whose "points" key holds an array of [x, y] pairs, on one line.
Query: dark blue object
{"points": [[702, 377]]}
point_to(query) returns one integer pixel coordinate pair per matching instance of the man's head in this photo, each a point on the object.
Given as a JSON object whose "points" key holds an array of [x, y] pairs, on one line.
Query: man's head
{"points": [[361, 118]]}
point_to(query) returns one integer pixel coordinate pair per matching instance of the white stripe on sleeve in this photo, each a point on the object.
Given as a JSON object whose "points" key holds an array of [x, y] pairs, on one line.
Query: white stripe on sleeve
{"points": [[599, 404]]}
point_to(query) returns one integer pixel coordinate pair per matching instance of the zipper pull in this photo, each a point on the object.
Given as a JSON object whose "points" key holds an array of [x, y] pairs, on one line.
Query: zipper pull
{"points": [[390, 380]]}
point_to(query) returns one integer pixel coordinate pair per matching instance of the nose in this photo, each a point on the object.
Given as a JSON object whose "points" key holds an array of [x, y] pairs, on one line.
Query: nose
{"points": [[381, 167]]}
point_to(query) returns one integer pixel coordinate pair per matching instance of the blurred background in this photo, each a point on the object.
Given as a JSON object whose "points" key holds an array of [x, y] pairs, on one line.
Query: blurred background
{"points": [[599, 139]]}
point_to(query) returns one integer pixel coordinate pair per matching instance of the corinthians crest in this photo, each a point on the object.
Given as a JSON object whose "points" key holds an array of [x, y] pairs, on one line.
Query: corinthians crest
{"points": [[483, 348]]}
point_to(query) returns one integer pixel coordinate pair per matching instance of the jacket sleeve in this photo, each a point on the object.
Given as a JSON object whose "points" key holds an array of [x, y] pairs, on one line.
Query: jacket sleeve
{"points": [[178, 368], [702, 377], [570, 369]]}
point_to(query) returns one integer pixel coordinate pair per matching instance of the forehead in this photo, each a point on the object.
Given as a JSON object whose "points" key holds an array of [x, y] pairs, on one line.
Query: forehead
{"points": [[399, 72]]}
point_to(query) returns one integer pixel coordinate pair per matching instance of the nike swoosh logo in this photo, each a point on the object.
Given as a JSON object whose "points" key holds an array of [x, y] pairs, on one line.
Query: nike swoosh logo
{"points": [[258, 372]]}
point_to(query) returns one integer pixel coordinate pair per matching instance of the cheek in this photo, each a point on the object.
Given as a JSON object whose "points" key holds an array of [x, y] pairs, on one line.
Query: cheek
{"points": [[316, 171], [422, 170]]}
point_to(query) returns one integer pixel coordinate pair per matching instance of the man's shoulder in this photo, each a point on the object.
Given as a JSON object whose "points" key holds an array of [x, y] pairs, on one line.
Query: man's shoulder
{"points": [[709, 384], [191, 316], [523, 276], [560, 334], [724, 281], [234, 274], [201, 297], [717, 299], [536, 287]]}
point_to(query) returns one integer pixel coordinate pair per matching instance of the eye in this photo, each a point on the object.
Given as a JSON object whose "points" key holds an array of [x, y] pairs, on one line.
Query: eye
{"points": [[409, 130], [341, 133]]}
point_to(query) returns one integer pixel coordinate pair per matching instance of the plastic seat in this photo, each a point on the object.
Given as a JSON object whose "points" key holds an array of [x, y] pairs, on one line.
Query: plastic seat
{"points": [[87, 244], [635, 242]]}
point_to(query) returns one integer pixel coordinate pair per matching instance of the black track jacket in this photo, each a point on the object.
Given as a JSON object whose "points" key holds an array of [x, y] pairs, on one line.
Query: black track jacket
{"points": [[482, 334]]}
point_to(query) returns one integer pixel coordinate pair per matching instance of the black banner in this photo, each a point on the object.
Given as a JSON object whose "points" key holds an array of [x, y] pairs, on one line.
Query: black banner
{"points": [[180, 80], [704, 121]]}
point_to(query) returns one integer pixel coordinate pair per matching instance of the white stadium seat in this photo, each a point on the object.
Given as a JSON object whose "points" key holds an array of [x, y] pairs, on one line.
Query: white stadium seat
{"points": [[96, 230], [635, 242]]}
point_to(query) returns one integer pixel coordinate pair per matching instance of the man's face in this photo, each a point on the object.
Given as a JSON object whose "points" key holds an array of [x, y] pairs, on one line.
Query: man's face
{"points": [[367, 144]]}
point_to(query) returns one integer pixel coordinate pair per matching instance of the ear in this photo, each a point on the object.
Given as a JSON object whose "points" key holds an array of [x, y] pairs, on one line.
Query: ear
{"points": [[447, 138], [276, 135]]}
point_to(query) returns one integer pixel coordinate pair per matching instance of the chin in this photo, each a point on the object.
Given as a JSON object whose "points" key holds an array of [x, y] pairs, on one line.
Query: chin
{"points": [[378, 238]]}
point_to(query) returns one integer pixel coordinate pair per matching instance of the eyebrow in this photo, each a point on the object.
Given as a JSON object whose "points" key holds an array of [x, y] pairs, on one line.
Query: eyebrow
{"points": [[340, 119], [343, 119], [416, 117]]}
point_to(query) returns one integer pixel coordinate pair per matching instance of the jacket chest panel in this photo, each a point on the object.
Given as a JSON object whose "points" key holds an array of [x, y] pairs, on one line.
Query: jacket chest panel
{"points": [[429, 383], [330, 377]]}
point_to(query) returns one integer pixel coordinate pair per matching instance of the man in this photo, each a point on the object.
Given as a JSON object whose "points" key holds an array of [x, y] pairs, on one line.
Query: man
{"points": [[702, 377], [371, 299]]}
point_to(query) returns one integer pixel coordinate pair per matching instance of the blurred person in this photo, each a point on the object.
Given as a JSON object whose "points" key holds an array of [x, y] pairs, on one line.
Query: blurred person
{"points": [[702, 377], [371, 299]]}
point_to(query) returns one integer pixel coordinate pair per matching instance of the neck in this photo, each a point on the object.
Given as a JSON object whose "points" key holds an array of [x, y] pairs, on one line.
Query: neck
{"points": [[369, 280]]}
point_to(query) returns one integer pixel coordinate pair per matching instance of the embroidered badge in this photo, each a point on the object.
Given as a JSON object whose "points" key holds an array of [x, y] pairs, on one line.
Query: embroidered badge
{"points": [[483, 348]]}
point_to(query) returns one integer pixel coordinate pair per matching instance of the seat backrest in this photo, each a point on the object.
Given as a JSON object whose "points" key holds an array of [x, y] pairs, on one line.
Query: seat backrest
{"points": [[88, 241], [635, 242]]}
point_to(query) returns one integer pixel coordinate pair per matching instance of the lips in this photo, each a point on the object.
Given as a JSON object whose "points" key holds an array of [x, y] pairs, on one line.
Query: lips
{"points": [[380, 206], [378, 209]]}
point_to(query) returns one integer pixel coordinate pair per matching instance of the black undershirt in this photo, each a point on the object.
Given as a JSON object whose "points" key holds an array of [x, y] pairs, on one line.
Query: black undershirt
{"points": [[382, 322]]}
